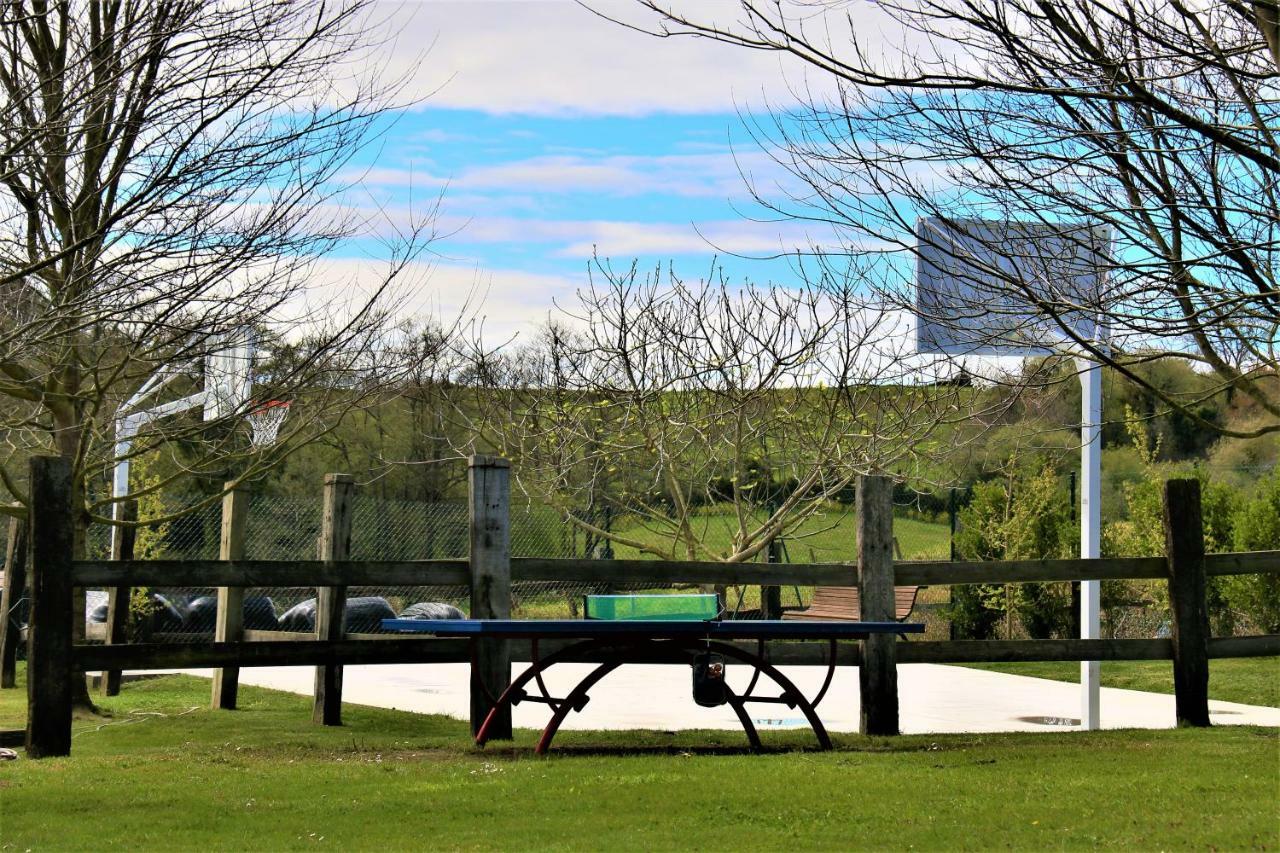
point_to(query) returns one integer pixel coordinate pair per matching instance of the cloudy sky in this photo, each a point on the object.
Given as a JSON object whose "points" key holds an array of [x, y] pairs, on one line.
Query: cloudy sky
{"points": [[550, 134]]}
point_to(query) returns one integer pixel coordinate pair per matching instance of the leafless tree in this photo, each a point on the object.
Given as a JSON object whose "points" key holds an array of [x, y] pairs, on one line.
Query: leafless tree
{"points": [[654, 398], [169, 175], [1153, 122]]}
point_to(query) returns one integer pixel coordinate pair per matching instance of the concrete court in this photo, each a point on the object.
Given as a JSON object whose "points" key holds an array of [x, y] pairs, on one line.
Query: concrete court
{"points": [[932, 698]]}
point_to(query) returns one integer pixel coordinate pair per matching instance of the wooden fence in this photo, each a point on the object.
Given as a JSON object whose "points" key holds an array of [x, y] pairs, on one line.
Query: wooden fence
{"points": [[54, 658]]}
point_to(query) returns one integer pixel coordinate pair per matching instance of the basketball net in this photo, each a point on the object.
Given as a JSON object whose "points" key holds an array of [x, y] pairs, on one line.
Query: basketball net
{"points": [[265, 420]]}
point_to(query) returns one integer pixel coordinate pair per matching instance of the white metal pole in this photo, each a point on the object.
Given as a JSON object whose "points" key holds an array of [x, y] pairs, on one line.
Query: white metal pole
{"points": [[1090, 534]]}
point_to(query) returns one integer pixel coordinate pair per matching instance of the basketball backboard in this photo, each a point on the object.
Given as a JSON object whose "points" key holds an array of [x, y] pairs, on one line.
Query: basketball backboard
{"points": [[229, 374], [987, 287]]}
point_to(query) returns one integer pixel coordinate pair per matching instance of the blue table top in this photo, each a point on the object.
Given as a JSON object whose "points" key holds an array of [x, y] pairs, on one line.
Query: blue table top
{"points": [[658, 629]]}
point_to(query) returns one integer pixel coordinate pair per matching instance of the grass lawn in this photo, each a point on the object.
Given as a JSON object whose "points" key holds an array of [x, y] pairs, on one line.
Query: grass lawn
{"points": [[163, 772], [826, 538], [1253, 681]]}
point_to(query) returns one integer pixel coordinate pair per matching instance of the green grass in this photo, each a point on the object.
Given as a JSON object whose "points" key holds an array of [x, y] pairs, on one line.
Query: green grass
{"points": [[1252, 681], [166, 773], [827, 538]]}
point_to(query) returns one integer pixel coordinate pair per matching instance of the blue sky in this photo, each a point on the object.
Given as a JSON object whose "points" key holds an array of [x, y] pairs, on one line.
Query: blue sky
{"points": [[553, 134]]}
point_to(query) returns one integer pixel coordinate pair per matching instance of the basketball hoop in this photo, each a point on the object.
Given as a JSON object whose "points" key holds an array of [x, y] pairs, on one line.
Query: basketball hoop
{"points": [[265, 420]]}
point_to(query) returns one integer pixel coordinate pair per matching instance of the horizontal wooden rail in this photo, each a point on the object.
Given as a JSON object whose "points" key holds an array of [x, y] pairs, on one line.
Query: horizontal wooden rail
{"points": [[270, 653], [258, 635], [1243, 563], [681, 571], [386, 649], [998, 651], [393, 648], [943, 572], [287, 573], [1262, 645], [305, 573]]}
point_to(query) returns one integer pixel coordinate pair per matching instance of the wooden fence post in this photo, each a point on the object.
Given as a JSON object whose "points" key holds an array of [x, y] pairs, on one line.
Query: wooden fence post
{"points": [[331, 602], [878, 674], [15, 587], [1184, 549], [771, 596], [118, 596], [49, 651], [489, 486], [230, 625]]}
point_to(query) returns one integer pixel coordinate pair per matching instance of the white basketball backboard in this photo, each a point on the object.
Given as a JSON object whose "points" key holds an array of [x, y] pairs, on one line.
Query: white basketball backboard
{"points": [[987, 287], [229, 375]]}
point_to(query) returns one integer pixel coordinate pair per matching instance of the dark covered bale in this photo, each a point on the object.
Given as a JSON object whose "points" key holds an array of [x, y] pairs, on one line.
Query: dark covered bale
{"points": [[300, 617], [363, 615], [431, 610], [166, 615], [95, 605], [201, 614], [260, 613]]}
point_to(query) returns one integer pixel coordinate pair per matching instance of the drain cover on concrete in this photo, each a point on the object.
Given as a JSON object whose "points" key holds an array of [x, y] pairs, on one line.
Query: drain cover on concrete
{"points": [[1049, 721], [781, 722]]}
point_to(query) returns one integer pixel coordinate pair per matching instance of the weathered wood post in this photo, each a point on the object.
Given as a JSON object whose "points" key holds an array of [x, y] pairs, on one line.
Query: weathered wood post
{"points": [[230, 625], [331, 602], [1184, 549], [15, 587], [771, 596], [50, 551], [878, 674], [489, 486], [118, 596]]}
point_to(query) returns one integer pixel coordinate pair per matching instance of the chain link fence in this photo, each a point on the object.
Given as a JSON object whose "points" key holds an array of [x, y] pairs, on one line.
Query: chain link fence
{"points": [[287, 528]]}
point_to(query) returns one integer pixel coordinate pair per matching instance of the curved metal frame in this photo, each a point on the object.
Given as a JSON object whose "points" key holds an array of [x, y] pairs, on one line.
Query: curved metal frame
{"points": [[624, 650]]}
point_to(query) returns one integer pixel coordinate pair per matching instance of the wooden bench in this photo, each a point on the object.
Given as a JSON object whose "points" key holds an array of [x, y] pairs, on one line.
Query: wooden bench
{"points": [[841, 603]]}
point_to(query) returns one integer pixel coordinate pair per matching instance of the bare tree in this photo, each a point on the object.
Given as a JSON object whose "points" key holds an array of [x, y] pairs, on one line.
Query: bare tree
{"points": [[653, 399], [1153, 122], [169, 177]]}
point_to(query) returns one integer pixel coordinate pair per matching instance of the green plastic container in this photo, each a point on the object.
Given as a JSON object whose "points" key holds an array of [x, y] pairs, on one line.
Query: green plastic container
{"points": [[672, 608]]}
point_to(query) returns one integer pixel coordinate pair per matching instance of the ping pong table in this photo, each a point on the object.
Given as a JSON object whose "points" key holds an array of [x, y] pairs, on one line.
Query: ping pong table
{"points": [[611, 644]]}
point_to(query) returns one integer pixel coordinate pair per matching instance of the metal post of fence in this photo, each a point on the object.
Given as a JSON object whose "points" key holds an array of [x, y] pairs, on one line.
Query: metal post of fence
{"points": [[1184, 550], [878, 674], [122, 543], [489, 487], [50, 551], [15, 587], [331, 602], [229, 627]]}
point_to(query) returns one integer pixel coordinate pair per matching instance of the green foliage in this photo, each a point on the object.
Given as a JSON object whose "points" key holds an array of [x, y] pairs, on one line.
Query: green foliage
{"points": [[1019, 517], [1257, 528], [1139, 531]]}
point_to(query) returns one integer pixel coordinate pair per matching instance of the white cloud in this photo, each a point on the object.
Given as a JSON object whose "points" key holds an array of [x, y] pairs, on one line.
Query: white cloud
{"points": [[502, 303], [744, 237], [717, 174], [553, 57]]}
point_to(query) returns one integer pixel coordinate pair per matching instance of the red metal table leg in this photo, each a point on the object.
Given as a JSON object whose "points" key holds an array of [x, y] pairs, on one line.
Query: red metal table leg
{"points": [[573, 702], [535, 670], [790, 693]]}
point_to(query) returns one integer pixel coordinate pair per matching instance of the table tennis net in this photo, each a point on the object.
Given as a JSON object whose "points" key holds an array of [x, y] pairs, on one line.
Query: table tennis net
{"points": [[666, 607]]}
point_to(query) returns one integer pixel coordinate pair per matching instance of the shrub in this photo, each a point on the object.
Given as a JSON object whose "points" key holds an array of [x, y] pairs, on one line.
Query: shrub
{"points": [[1028, 517], [1257, 528]]}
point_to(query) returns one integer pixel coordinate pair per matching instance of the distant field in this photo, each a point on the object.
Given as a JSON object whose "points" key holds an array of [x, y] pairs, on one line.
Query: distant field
{"points": [[828, 538]]}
